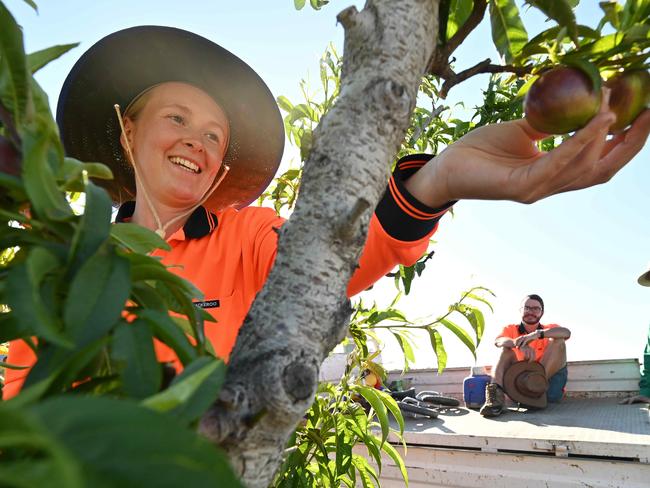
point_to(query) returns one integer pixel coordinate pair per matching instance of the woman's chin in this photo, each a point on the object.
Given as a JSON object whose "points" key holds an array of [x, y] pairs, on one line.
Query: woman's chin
{"points": [[182, 201]]}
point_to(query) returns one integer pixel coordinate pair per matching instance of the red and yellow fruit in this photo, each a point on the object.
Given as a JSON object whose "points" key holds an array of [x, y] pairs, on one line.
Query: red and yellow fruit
{"points": [[561, 100], [371, 379], [630, 95]]}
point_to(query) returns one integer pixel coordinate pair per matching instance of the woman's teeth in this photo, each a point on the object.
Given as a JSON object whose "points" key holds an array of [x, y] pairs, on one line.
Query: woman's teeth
{"points": [[185, 164]]}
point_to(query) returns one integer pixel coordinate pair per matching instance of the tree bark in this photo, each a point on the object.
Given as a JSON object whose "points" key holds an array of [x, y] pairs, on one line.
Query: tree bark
{"points": [[303, 312]]}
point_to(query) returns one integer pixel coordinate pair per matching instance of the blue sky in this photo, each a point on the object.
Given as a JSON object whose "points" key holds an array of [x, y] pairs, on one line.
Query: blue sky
{"points": [[581, 251]]}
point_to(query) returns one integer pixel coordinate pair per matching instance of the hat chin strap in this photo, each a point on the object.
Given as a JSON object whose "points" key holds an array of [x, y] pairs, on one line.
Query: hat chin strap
{"points": [[161, 230]]}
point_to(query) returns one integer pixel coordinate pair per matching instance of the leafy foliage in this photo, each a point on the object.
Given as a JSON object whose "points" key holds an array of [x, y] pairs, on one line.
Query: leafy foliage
{"points": [[89, 300]]}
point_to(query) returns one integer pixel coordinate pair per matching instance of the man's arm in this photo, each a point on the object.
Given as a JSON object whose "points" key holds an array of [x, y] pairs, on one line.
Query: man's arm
{"points": [[552, 333], [507, 342]]}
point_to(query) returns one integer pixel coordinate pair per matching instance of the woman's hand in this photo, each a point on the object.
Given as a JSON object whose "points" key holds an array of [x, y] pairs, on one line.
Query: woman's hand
{"points": [[502, 162]]}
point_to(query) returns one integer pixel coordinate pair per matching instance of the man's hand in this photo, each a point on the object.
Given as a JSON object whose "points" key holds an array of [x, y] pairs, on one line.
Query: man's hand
{"points": [[525, 339], [505, 342], [528, 352], [502, 161]]}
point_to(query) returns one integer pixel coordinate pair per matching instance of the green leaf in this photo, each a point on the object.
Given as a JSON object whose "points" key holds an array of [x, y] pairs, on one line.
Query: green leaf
{"points": [[461, 334], [25, 300], [284, 102], [508, 31], [438, 349], [186, 327], [32, 457], [144, 268], [535, 45], [635, 12], [32, 4], [390, 314], [602, 46], [133, 347], [366, 473], [299, 4], [344, 444], [478, 322], [192, 407], [375, 401], [97, 296], [120, 443], [473, 296], [373, 445], [393, 408], [459, 11], [475, 317], [29, 394], [38, 59], [397, 459], [72, 172], [166, 330], [613, 11], [40, 184], [14, 78], [137, 238], [561, 12], [407, 274], [64, 366], [94, 226], [405, 346]]}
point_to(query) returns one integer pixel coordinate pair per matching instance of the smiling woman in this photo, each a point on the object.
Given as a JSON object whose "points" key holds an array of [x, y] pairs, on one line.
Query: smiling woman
{"points": [[191, 151], [180, 135]]}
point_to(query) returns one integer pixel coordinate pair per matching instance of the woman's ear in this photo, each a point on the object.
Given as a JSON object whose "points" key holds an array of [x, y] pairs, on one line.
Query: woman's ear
{"points": [[127, 133]]}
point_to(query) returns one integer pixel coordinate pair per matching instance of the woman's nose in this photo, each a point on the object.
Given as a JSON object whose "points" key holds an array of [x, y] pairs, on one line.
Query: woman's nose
{"points": [[193, 143]]}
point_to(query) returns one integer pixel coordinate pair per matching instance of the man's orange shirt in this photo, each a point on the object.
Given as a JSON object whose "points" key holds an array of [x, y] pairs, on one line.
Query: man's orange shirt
{"points": [[538, 345], [229, 255]]}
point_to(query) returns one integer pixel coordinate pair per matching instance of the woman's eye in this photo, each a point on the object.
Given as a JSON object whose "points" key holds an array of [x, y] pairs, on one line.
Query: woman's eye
{"points": [[179, 119], [212, 136]]}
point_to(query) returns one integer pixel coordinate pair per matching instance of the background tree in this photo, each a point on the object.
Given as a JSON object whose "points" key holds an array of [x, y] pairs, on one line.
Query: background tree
{"points": [[300, 315]]}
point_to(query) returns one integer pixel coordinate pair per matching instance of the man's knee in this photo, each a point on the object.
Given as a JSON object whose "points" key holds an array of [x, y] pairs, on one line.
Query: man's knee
{"points": [[555, 346], [508, 353]]}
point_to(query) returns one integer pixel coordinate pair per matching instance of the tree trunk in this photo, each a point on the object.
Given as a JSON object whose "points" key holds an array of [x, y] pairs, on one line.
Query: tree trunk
{"points": [[302, 312]]}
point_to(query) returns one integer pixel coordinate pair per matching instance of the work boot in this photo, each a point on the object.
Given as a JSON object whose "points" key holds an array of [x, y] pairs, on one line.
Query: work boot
{"points": [[494, 401]]}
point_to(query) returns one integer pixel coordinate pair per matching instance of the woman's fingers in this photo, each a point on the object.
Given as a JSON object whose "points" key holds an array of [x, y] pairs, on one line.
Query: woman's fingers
{"points": [[617, 152], [622, 152]]}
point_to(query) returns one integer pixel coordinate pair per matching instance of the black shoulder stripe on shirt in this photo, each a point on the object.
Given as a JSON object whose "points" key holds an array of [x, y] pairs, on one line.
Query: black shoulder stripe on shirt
{"points": [[402, 215]]}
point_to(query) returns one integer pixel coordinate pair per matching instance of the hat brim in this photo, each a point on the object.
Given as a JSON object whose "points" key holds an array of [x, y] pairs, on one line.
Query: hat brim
{"points": [[122, 65], [510, 385], [644, 279]]}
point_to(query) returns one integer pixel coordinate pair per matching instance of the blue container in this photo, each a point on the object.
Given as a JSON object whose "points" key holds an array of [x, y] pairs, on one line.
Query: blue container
{"points": [[474, 390]]}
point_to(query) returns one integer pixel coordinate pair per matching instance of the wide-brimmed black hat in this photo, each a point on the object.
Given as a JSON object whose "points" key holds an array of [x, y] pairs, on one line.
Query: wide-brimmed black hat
{"points": [[122, 65], [525, 382]]}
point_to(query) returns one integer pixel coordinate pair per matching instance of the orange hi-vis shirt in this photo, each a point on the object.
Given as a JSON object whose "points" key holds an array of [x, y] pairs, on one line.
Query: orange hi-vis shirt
{"points": [[538, 345], [229, 255]]}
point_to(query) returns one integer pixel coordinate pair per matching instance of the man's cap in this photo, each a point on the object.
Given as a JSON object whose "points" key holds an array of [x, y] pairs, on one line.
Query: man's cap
{"points": [[124, 64], [525, 382]]}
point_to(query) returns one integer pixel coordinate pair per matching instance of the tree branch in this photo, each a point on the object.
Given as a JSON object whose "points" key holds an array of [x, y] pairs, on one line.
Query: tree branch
{"points": [[482, 67], [474, 19], [302, 311]]}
